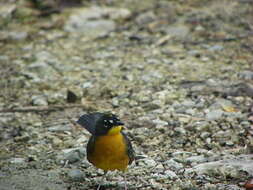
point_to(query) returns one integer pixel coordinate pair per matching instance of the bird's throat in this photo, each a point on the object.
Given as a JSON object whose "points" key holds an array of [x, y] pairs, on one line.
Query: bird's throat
{"points": [[115, 130]]}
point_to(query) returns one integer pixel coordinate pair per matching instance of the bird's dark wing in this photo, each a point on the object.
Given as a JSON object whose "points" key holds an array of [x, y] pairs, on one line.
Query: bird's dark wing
{"points": [[130, 150], [90, 147], [89, 121]]}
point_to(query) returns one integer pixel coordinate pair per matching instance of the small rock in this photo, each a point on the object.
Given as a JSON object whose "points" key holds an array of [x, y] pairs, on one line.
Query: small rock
{"points": [[39, 101], [159, 168], [45, 63], [174, 165], [91, 28], [180, 31], [196, 159], [74, 155], [6, 10], [145, 18], [60, 128], [115, 102], [18, 35], [17, 160], [205, 134], [71, 96], [184, 118], [91, 21], [182, 154], [228, 167], [180, 130], [148, 162], [86, 85], [246, 75], [76, 175], [188, 103], [160, 122], [228, 187], [170, 174], [216, 48], [214, 115]]}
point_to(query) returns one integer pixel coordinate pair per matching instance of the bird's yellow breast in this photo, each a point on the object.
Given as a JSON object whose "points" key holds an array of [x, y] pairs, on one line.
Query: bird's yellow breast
{"points": [[109, 153]]}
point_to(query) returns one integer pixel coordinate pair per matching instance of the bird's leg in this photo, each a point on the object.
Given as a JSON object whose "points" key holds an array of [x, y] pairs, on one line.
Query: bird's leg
{"points": [[125, 180], [102, 180]]}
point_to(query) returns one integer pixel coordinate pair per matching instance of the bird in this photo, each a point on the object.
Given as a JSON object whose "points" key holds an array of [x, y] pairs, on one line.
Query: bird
{"points": [[108, 147]]}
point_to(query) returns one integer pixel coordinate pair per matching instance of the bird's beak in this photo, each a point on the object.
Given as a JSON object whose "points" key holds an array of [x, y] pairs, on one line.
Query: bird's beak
{"points": [[115, 130]]}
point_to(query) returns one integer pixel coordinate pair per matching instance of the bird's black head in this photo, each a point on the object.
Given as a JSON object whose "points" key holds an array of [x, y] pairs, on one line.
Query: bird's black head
{"points": [[108, 124], [100, 123]]}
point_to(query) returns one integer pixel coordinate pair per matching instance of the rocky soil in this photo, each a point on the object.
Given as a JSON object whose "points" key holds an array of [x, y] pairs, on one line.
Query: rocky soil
{"points": [[178, 73]]}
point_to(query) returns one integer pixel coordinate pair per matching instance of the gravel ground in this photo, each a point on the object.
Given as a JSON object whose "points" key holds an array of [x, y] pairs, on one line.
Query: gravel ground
{"points": [[178, 73]]}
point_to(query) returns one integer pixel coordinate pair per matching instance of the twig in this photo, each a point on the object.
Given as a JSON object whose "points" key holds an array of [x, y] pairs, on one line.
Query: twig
{"points": [[43, 108]]}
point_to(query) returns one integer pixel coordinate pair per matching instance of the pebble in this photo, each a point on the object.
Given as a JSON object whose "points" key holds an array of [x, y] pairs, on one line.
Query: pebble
{"points": [[246, 75], [228, 167], [17, 35], [93, 28], [182, 154], [44, 63], [87, 85], [173, 165], [17, 160], [205, 134], [159, 168], [214, 115], [147, 162], [91, 21], [160, 122], [179, 31], [145, 18], [39, 100], [216, 48], [75, 155], [60, 128], [76, 175], [170, 174], [6, 10], [196, 159]]}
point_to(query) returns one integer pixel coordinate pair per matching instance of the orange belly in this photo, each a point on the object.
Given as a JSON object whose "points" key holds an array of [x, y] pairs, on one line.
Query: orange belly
{"points": [[109, 153]]}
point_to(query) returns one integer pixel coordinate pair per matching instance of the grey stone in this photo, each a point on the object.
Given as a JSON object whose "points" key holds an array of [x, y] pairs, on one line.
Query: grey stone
{"points": [[91, 21], [182, 154], [59, 128], [86, 85], [196, 159], [205, 134], [148, 162], [179, 32], [17, 160], [246, 75], [18, 35], [6, 10], [214, 115], [173, 165], [228, 167], [216, 48], [160, 122], [33, 179], [91, 28], [170, 174], [39, 101], [145, 18], [76, 175], [45, 67], [74, 155], [228, 187]]}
